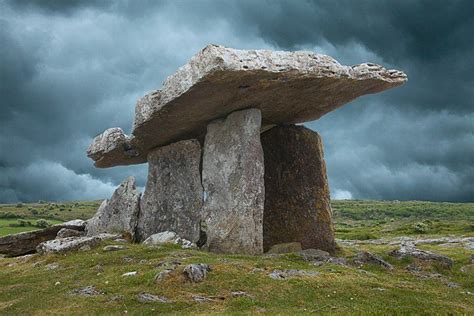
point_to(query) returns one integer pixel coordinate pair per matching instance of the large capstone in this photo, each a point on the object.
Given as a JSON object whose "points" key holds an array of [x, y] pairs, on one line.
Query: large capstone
{"points": [[297, 202], [173, 195], [288, 87], [119, 214], [232, 177]]}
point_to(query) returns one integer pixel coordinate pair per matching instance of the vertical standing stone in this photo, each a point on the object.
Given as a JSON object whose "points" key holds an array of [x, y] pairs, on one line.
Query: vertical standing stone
{"points": [[173, 195], [119, 214], [297, 202], [233, 184]]}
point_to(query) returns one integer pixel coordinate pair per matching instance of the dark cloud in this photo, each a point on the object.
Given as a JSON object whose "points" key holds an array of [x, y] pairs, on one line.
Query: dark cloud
{"points": [[70, 69]]}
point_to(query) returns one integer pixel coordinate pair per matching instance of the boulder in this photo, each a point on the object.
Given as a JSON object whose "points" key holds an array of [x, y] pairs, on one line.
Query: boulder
{"points": [[25, 243], [119, 214], [168, 237], [196, 272], [408, 249], [173, 195], [232, 177], [63, 245], [288, 87], [297, 201]]}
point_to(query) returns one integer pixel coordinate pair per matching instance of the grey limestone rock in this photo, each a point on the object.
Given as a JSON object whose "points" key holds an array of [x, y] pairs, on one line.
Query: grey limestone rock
{"points": [[196, 272], [24, 243], [63, 245], [232, 177], [67, 232], [173, 195], [119, 214], [297, 201]]}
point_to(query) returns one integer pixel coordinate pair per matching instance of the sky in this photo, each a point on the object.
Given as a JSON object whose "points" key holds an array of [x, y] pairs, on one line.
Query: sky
{"points": [[71, 69]]}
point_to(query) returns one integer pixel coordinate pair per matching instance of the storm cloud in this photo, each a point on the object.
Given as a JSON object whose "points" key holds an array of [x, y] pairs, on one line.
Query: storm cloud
{"points": [[70, 69]]}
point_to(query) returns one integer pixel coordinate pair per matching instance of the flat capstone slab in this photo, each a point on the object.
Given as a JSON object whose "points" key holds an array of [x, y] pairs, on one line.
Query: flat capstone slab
{"points": [[287, 87]]}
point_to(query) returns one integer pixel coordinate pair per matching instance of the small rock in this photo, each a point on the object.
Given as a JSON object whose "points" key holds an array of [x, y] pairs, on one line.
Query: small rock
{"points": [[168, 237], [285, 248], [240, 294], [160, 276], [284, 274], [86, 291], [117, 298], [314, 255], [196, 272], [337, 260], [121, 240], [114, 248], [52, 266], [127, 274], [452, 285], [203, 299], [150, 298], [367, 257], [413, 267]]}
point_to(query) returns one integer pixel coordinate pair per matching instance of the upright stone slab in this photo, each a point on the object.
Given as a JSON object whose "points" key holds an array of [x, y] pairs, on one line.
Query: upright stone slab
{"points": [[119, 214], [173, 195], [233, 184], [297, 198]]}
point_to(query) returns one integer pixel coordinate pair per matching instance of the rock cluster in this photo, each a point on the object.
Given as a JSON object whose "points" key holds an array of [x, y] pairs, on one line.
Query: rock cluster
{"points": [[228, 169]]}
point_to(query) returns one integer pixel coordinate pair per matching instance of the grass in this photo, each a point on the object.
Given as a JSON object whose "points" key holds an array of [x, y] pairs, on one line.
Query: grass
{"points": [[12, 225], [28, 287]]}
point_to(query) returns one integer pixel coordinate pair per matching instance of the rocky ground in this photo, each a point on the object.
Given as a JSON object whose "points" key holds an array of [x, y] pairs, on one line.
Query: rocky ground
{"points": [[397, 264]]}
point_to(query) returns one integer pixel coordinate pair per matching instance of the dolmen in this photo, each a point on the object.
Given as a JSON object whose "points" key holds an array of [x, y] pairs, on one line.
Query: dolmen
{"points": [[228, 167]]}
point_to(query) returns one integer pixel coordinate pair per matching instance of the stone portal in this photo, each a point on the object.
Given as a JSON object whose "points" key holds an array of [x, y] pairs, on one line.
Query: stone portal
{"points": [[228, 97], [297, 197], [232, 177]]}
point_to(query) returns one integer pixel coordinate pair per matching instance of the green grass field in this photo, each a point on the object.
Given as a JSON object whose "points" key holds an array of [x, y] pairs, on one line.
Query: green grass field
{"points": [[29, 287]]}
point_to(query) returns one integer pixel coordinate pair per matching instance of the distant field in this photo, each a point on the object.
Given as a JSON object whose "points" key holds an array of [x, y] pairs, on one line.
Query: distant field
{"points": [[353, 219], [374, 219], [21, 217]]}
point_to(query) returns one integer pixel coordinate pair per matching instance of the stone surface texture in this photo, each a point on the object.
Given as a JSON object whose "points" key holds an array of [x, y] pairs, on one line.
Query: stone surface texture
{"points": [[63, 245], [66, 232], [297, 201], [409, 249], [196, 272], [112, 147], [288, 87], [173, 195], [119, 214], [25, 243], [232, 177], [168, 237]]}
